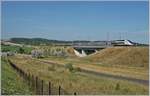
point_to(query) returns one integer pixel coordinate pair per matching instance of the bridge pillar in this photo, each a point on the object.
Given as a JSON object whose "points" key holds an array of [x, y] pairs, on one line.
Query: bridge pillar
{"points": [[95, 51], [83, 53]]}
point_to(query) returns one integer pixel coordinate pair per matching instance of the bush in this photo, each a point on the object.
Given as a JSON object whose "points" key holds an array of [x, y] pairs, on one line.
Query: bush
{"points": [[117, 86], [21, 50], [69, 66], [37, 54], [78, 69]]}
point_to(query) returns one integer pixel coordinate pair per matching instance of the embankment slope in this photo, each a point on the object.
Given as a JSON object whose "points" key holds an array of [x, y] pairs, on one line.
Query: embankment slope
{"points": [[122, 56]]}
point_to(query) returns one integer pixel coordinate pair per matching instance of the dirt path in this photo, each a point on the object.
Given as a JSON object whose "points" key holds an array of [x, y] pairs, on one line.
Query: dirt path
{"points": [[144, 82], [140, 81]]}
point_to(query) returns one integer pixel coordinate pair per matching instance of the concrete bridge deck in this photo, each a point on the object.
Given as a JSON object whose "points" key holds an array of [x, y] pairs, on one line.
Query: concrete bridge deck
{"points": [[84, 50], [93, 47]]}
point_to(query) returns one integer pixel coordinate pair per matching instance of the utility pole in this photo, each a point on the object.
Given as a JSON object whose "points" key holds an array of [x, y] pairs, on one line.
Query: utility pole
{"points": [[120, 35], [107, 38], [125, 35], [72, 42]]}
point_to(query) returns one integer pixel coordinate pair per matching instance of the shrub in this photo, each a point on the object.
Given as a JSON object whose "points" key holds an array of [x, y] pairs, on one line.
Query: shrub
{"points": [[69, 66], [21, 50], [117, 86], [78, 69], [37, 53]]}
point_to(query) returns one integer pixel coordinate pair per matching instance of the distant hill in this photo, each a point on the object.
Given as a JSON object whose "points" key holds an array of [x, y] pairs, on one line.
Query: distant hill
{"points": [[35, 41], [41, 41]]}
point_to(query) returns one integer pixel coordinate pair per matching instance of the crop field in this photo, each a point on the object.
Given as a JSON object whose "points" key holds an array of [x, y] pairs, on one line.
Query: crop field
{"points": [[75, 81]]}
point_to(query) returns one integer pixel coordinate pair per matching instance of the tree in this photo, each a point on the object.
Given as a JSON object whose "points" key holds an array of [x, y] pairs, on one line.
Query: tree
{"points": [[21, 50], [69, 66], [117, 86]]}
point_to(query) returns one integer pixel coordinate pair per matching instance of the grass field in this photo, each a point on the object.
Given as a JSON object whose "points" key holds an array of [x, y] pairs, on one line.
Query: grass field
{"points": [[125, 61], [122, 57], [11, 82], [76, 82]]}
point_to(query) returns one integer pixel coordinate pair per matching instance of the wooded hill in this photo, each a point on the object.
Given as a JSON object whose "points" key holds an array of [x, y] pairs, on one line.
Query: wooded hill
{"points": [[41, 41]]}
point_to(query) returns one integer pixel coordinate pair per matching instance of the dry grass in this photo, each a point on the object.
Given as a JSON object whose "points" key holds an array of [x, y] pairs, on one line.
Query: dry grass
{"points": [[71, 52], [74, 82], [123, 56], [124, 61]]}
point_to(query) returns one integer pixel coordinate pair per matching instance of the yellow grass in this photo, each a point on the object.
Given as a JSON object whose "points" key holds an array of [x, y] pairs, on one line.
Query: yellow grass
{"points": [[73, 82], [125, 61], [125, 56]]}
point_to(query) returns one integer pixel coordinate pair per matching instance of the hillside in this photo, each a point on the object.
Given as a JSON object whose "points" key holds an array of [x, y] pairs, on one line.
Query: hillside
{"points": [[42, 41], [124, 56], [70, 51], [33, 41]]}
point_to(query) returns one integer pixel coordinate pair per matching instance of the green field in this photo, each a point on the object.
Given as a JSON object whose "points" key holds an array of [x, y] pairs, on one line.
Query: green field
{"points": [[10, 48], [11, 82]]}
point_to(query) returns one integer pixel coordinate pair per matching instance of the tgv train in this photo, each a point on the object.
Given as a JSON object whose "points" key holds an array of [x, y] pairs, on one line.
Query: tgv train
{"points": [[122, 43]]}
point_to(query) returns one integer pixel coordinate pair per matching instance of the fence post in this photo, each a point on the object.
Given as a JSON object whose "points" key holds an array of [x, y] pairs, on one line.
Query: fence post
{"points": [[75, 93], [21, 73], [49, 88], [36, 85], [59, 90], [42, 87], [32, 81], [29, 79]]}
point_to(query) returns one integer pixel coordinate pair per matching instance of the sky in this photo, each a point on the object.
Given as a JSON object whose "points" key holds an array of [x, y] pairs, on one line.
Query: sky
{"points": [[78, 20]]}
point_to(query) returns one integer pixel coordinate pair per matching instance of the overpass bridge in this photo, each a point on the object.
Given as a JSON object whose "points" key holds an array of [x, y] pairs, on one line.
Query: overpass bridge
{"points": [[84, 50], [90, 47]]}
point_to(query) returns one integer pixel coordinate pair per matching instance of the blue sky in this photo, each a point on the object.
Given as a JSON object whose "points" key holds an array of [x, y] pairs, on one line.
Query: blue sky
{"points": [[76, 20]]}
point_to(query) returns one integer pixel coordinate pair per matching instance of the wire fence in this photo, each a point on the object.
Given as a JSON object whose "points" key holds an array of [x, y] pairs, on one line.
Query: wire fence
{"points": [[39, 86]]}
